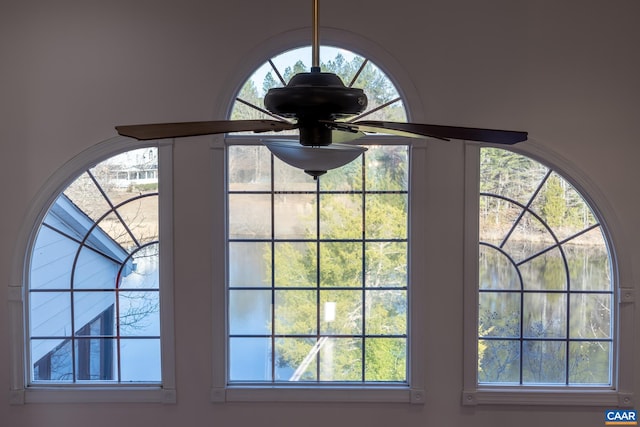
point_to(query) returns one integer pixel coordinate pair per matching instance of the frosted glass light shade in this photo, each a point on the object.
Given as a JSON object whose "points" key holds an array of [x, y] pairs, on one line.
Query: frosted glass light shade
{"points": [[314, 160]]}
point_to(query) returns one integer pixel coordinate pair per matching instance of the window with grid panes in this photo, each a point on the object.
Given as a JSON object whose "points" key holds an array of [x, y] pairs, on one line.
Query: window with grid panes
{"points": [[317, 269]]}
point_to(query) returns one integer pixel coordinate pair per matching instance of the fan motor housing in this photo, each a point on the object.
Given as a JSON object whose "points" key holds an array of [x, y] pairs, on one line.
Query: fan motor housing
{"points": [[315, 95]]}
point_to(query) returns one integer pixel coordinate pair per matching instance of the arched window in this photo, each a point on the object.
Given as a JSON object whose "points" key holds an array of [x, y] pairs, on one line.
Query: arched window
{"points": [[95, 289], [545, 285], [385, 103], [318, 269]]}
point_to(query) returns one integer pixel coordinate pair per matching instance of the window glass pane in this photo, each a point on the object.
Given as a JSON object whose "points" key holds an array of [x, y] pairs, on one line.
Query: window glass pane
{"points": [[544, 362], [341, 312], [340, 264], [341, 216], [500, 314], [545, 315], [246, 216], [296, 359], [249, 359], [54, 360], [385, 359], [50, 314], [88, 306], [296, 264], [139, 313], [295, 216], [295, 312], [95, 359], [386, 312], [589, 362], [590, 315], [249, 168], [386, 216], [249, 264], [250, 312], [386, 264], [140, 360], [498, 361], [341, 359]]}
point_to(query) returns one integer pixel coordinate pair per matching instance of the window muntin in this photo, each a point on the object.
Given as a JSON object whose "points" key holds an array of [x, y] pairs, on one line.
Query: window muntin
{"points": [[546, 301], [317, 270], [93, 295]]}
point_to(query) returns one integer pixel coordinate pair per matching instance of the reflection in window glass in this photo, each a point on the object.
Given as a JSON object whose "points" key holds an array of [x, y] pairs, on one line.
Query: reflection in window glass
{"points": [[323, 294], [94, 283], [546, 293], [322, 262]]}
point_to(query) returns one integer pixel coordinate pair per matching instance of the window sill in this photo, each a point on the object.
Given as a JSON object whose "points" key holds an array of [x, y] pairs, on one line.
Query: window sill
{"points": [[318, 394], [89, 394], [547, 396]]}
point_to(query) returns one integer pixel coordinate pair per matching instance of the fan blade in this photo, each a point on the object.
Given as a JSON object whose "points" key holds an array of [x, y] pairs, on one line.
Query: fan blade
{"points": [[495, 136], [177, 130]]}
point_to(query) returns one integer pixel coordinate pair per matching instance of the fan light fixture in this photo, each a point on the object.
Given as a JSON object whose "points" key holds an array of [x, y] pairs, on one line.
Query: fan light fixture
{"points": [[314, 160], [316, 102]]}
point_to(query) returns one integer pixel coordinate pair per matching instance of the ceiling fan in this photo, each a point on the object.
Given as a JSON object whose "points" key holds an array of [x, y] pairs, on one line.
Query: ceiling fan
{"points": [[316, 102]]}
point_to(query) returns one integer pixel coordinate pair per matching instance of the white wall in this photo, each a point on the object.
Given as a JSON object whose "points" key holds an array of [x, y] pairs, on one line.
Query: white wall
{"points": [[71, 70]]}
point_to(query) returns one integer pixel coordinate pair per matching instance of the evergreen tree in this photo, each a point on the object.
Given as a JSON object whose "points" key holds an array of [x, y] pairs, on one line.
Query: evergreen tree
{"points": [[554, 207]]}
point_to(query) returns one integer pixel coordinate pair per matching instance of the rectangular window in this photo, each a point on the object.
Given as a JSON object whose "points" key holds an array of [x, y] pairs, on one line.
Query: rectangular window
{"points": [[317, 270]]}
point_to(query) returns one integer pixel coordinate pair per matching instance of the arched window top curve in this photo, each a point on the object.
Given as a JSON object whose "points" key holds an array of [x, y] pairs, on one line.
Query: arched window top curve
{"points": [[385, 101]]}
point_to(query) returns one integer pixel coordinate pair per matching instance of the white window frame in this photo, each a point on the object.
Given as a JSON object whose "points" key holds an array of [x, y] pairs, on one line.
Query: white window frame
{"points": [[620, 393], [21, 391], [414, 392], [414, 389]]}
